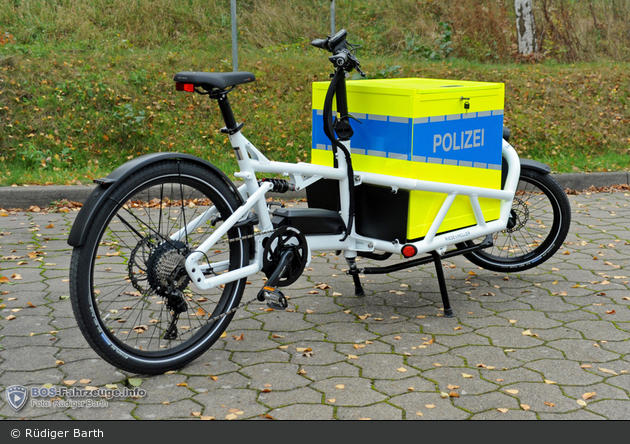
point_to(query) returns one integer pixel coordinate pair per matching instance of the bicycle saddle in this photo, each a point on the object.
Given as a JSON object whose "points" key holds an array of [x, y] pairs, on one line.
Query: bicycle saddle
{"points": [[211, 80]]}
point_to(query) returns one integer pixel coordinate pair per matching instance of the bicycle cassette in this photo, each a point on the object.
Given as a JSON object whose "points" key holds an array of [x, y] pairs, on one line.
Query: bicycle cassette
{"points": [[283, 239]]}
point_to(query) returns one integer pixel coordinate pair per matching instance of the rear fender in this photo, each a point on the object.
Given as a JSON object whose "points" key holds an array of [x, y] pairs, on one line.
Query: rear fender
{"points": [[108, 184]]}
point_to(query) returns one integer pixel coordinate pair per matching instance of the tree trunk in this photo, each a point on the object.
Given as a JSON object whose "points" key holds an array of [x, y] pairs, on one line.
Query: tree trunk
{"points": [[525, 28]]}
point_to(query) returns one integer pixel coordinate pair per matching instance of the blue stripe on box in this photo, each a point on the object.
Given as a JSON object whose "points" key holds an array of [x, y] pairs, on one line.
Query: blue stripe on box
{"points": [[469, 139], [378, 134]]}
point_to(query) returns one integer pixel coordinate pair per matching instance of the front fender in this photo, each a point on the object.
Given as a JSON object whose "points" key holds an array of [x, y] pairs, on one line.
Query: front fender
{"points": [[526, 164], [108, 184]]}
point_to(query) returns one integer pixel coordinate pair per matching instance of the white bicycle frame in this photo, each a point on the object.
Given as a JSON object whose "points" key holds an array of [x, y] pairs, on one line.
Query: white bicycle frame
{"points": [[252, 161]]}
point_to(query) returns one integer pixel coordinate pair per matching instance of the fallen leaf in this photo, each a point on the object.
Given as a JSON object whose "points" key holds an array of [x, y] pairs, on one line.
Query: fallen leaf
{"points": [[466, 375], [182, 384], [605, 370], [70, 382], [10, 318], [353, 357], [511, 391], [525, 407], [430, 406], [452, 387], [239, 338], [134, 382], [331, 400], [419, 414], [196, 414], [502, 409], [550, 404], [231, 416], [85, 381], [401, 369], [588, 395], [547, 381], [340, 386], [453, 394], [586, 366], [610, 312], [301, 371], [581, 402]]}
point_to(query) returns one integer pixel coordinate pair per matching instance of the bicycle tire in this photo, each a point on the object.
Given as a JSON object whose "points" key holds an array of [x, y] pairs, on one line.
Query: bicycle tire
{"points": [[126, 280], [540, 221]]}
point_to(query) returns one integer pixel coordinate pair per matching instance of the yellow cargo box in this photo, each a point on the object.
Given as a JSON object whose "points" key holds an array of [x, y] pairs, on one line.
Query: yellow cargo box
{"points": [[429, 129]]}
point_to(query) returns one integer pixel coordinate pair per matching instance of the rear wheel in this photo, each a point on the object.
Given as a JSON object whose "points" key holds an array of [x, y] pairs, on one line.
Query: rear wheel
{"points": [[537, 227], [131, 295]]}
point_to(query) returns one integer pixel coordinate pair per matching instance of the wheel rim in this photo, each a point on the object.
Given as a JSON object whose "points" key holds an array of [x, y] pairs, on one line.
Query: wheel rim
{"points": [[534, 219], [135, 258]]}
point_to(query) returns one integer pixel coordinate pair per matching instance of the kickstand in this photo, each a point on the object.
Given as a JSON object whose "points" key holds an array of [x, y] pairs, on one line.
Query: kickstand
{"points": [[354, 271], [437, 260]]}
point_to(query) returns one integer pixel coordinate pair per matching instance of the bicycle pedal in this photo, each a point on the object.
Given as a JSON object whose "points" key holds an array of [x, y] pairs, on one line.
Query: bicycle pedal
{"points": [[274, 298]]}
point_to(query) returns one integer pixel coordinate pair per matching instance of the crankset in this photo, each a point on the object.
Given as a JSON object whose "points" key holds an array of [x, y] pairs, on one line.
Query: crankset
{"points": [[283, 240]]}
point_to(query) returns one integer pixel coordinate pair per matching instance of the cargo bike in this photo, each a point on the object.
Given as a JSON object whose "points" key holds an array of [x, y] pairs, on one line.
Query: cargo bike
{"points": [[164, 244]]}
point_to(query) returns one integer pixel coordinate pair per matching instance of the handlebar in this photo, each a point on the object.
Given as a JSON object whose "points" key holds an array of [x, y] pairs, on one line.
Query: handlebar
{"points": [[338, 46]]}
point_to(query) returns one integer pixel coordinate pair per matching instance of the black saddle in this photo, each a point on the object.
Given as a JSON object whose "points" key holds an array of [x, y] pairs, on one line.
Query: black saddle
{"points": [[214, 80]]}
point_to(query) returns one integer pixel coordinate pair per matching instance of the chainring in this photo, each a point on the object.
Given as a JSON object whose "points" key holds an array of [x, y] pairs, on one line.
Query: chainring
{"points": [[282, 239]]}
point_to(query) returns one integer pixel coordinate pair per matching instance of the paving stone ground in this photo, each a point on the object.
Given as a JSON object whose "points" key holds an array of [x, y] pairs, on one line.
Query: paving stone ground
{"points": [[521, 346]]}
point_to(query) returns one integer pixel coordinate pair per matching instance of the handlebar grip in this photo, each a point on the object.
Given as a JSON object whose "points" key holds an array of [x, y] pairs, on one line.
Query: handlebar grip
{"points": [[319, 43]]}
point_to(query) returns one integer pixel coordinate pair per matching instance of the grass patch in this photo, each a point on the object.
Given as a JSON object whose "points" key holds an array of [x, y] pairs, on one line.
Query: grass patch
{"points": [[85, 87]]}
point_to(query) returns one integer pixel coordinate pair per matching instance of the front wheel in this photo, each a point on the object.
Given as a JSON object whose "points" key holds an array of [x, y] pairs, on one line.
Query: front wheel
{"points": [[538, 225], [131, 295]]}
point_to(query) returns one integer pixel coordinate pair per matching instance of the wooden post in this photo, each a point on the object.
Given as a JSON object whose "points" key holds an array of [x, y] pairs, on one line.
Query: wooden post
{"points": [[525, 27]]}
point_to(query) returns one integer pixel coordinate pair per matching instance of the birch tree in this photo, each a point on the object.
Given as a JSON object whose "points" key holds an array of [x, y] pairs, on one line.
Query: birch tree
{"points": [[525, 27]]}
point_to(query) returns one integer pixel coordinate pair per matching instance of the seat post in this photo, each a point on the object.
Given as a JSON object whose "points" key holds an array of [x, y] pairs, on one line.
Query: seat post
{"points": [[228, 115]]}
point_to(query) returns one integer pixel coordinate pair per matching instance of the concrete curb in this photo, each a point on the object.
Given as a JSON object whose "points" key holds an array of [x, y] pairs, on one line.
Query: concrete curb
{"points": [[24, 197]]}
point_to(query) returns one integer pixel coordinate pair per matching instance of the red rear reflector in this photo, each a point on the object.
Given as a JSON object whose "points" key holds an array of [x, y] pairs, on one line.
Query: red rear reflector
{"points": [[189, 87], [409, 251]]}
